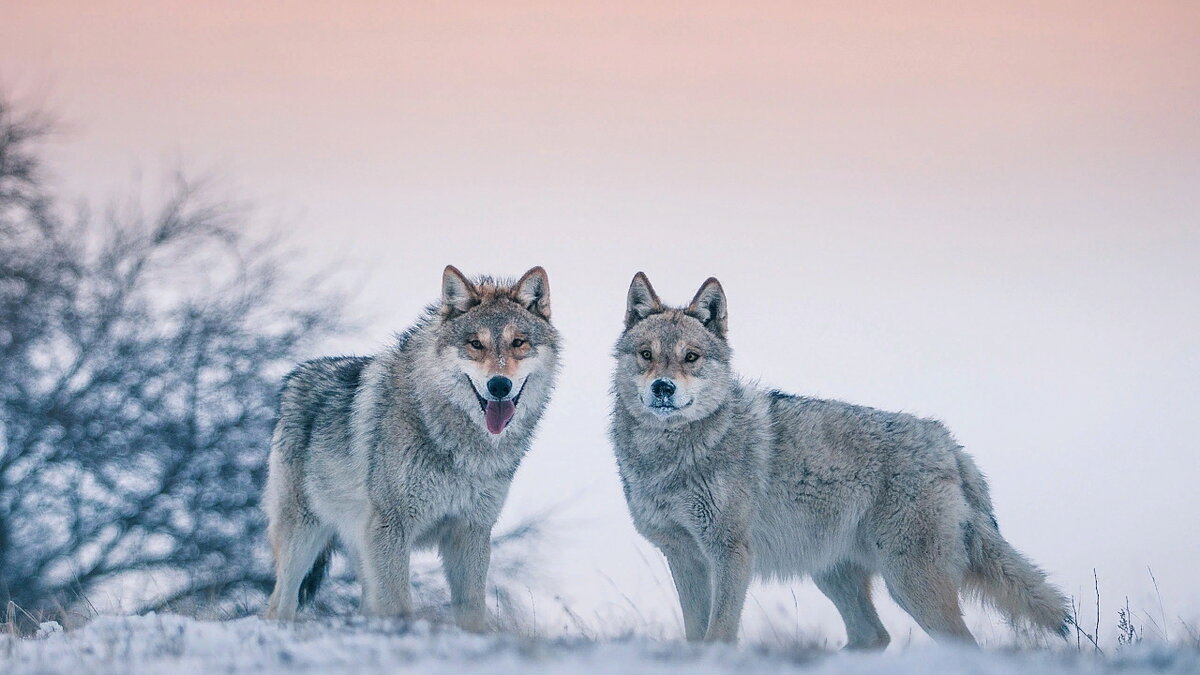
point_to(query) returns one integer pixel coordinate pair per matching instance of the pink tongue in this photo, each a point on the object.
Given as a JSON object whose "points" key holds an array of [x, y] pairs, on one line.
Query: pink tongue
{"points": [[498, 414]]}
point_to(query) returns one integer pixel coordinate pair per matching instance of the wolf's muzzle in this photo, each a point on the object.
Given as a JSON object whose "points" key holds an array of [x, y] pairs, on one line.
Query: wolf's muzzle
{"points": [[497, 410], [499, 386]]}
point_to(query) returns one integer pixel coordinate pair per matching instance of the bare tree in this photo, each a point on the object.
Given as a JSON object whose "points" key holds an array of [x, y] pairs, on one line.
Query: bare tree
{"points": [[140, 356]]}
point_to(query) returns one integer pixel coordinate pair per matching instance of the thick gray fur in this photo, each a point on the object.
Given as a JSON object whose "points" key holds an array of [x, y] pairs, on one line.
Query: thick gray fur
{"points": [[390, 453], [731, 481]]}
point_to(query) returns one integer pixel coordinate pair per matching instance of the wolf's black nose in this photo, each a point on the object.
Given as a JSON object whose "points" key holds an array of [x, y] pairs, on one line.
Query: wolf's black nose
{"points": [[499, 386], [662, 388]]}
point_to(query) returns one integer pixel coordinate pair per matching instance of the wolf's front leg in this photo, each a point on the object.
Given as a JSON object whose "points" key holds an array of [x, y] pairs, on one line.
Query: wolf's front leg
{"points": [[466, 550], [731, 568], [386, 553], [690, 572]]}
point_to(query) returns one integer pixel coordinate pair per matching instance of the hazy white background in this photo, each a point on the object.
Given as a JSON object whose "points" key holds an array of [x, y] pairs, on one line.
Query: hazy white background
{"points": [[988, 215]]}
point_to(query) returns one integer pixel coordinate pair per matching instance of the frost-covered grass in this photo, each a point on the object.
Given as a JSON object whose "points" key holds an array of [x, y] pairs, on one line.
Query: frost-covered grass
{"points": [[176, 644]]}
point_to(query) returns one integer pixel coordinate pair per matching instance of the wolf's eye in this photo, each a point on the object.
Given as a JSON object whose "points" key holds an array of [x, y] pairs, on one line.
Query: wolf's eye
{"points": [[518, 343], [645, 354], [691, 357], [475, 344]]}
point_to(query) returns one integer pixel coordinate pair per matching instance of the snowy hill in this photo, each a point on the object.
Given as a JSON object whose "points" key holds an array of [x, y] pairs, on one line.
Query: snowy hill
{"points": [[175, 644]]}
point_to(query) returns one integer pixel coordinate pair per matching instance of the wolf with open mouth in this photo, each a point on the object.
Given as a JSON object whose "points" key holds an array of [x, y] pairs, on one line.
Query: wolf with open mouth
{"points": [[414, 447]]}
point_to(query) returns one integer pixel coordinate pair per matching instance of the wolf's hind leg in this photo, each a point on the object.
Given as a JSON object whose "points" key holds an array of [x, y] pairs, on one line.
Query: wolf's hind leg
{"points": [[929, 593], [298, 539], [848, 585]]}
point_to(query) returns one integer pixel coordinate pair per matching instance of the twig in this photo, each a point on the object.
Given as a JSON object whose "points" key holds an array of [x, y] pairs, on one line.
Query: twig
{"points": [[1096, 579], [767, 615], [533, 607], [580, 625], [1079, 631], [1075, 623], [1158, 594], [796, 613]]}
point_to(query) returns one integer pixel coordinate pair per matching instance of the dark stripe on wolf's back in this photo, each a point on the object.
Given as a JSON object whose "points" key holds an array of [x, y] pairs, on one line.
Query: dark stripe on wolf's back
{"points": [[323, 384]]}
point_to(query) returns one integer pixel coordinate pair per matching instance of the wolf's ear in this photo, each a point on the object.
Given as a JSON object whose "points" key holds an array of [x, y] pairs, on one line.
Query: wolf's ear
{"points": [[710, 308], [642, 300], [533, 291], [458, 293]]}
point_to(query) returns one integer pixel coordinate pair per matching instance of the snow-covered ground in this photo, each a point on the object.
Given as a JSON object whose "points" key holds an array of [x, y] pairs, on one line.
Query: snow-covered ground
{"points": [[175, 644]]}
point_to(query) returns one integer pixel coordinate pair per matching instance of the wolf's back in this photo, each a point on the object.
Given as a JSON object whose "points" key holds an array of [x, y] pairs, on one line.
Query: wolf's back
{"points": [[317, 395]]}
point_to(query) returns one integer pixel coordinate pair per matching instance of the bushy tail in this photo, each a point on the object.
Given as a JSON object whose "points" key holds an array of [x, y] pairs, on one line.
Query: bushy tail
{"points": [[998, 573], [1017, 587], [316, 575]]}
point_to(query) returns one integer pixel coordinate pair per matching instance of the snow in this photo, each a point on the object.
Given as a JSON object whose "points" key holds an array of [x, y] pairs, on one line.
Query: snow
{"points": [[176, 644]]}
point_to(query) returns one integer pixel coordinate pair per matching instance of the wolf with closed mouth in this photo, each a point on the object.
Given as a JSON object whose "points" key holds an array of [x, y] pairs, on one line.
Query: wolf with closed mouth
{"points": [[414, 447], [731, 481]]}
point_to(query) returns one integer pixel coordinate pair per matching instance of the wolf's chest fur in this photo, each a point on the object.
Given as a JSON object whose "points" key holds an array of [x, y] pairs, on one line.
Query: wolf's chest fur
{"points": [[460, 479], [670, 490], [684, 477]]}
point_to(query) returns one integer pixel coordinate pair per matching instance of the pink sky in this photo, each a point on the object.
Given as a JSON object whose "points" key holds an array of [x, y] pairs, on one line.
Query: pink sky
{"points": [[760, 88]]}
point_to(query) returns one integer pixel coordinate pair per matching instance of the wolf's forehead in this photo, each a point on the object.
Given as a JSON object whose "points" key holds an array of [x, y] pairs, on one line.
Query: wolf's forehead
{"points": [[499, 318], [670, 329]]}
